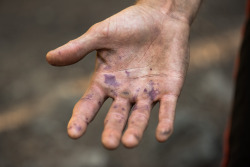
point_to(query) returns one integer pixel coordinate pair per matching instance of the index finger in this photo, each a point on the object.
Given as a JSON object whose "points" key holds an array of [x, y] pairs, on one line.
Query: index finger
{"points": [[85, 110]]}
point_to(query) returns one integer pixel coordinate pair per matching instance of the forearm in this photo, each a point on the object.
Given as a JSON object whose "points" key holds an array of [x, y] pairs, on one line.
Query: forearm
{"points": [[184, 10]]}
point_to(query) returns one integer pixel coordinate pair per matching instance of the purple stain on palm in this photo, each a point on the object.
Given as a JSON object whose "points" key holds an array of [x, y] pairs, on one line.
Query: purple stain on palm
{"points": [[153, 92], [128, 73], [145, 90], [151, 83], [110, 80]]}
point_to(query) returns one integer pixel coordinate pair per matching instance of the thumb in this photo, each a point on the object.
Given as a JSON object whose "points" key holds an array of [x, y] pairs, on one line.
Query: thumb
{"points": [[75, 50]]}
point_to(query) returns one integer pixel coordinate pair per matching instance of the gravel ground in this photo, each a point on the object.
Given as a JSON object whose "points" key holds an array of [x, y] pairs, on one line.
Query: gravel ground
{"points": [[36, 99]]}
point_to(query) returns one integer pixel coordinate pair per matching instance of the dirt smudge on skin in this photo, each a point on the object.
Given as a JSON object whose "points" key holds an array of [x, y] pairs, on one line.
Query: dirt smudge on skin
{"points": [[166, 132], [125, 93]]}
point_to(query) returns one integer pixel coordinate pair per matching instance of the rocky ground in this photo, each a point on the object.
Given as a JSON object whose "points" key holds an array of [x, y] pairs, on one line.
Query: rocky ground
{"points": [[36, 99]]}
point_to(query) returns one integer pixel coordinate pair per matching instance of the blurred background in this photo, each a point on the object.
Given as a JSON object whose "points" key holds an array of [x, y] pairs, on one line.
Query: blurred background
{"points": [[36, 99]]}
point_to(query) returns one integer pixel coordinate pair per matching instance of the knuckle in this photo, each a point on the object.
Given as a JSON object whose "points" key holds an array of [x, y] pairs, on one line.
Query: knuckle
{"points": [[166, 122], [117, 117], [170, 97], [72, 43], [100, 29], [140, 116]]}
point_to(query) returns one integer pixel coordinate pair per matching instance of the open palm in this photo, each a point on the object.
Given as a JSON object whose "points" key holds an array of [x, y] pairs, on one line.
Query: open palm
{"points": [[142, 58]]}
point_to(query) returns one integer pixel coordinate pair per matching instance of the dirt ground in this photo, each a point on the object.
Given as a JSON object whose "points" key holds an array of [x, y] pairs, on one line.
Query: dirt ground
{"points": [[36, 99]]}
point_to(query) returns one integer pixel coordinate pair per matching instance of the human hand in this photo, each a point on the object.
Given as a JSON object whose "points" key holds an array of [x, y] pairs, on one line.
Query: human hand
{"points": [[142, 58]]}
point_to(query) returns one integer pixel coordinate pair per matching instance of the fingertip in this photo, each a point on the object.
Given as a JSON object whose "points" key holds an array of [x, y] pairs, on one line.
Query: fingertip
{"points": [[66, 54], [73, 134], [110, 142], [57, 58], [163, 134], [49, 58], [76, 130], [130, 140]]}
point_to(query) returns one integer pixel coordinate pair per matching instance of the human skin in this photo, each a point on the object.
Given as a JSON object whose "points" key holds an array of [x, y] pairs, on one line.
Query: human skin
{"points": [[142, 58]]}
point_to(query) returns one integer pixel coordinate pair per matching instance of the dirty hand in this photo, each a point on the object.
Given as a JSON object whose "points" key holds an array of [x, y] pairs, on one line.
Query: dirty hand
{"points": [[142, 58]]}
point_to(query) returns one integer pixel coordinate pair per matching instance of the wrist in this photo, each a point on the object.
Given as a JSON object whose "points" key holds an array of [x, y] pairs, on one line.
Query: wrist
{"points": [[184, 11]]}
